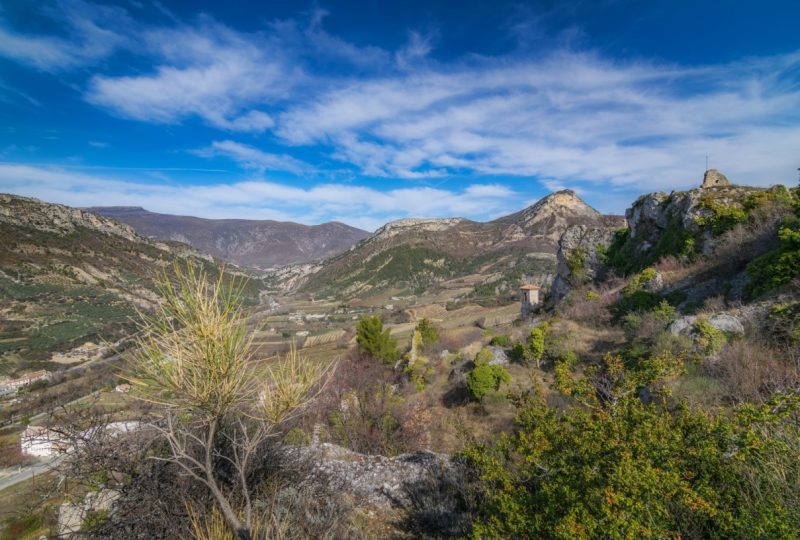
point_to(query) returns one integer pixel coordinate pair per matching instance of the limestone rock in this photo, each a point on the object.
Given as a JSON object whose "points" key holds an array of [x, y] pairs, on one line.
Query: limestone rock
{"points": [[726, 323], [714, 178], [655, 284], [723, 322], [374, 479], [499, 356], [655, 214], [582, 241]]}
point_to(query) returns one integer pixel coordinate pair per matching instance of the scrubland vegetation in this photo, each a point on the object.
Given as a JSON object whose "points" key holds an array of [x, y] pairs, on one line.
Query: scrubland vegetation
{"points": [[657, 399]]}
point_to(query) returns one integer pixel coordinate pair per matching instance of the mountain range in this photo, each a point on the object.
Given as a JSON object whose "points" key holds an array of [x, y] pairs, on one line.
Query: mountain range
{"points": [[256, 243]]}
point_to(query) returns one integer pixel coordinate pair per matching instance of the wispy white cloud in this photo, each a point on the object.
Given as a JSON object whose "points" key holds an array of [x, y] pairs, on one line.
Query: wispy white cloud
{"points": [[357, 205], [255, 159], [206, 71], [570, 116], [93, 33]]}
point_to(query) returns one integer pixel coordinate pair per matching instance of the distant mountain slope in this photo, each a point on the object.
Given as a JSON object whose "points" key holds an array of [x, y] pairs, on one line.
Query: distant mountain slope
{"points": [[260, 243], [69, 276], [416, 253]]}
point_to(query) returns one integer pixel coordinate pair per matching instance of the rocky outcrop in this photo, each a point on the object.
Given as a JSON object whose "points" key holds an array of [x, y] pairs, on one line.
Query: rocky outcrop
{"points": [[375, 480], [721, 321], [499, 356], [655, 214], [578, 256], [400, 226], [714, 178], [58, 219]]}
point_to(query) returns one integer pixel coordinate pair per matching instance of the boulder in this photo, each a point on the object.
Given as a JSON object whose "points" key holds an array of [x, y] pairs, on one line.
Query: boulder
{"points": [[499, 356], [374, 479], [726, 323], [721, 321], [682, 326]]}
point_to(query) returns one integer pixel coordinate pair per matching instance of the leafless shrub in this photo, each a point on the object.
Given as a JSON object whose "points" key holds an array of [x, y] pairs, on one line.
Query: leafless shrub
{"points": [[586, 306], [453, 341], [12, 456], [752, 371]]}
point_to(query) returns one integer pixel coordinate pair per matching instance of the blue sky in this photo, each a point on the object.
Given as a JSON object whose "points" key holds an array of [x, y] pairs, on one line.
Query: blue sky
{"points": [[369, 111]]}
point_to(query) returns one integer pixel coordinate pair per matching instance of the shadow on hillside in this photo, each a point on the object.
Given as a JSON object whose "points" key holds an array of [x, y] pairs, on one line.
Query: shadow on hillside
{"points": [[440, 505]]}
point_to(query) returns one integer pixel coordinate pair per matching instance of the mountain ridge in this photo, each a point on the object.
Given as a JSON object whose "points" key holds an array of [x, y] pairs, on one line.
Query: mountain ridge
{"points": [[417, 253], [248, 242]]}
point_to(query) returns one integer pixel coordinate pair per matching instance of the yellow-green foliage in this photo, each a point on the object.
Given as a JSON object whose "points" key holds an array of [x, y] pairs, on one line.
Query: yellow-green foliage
{"points": [[617, 468], [709, 339], [782, 265], [638, 281], [576, 263], [536, 344], [417, 368], [723, 217], [484, 377], [634, 297], [428, 333], [592, 296]]}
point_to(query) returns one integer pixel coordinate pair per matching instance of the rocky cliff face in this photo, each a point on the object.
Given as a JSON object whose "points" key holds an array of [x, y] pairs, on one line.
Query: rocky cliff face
{"points": [[58, 219], [579, 258], [655, 215], [259, 243]]}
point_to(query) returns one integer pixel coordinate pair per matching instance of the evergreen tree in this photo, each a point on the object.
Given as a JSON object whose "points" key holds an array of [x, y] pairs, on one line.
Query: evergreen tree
{"points": [[375, 341]]}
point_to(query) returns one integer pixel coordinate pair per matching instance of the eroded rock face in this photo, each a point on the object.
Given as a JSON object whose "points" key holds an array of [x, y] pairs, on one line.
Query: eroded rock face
{"points": [[375, 480], [655, 214], [721, 321], [58, 219], [581, 242], [714, 178]]}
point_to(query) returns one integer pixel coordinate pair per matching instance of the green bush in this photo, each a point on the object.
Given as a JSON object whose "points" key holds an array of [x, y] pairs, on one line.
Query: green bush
{"points": [[777, 267], [428, 332], [784, 322], [618, 468], [518, 353], [723, 217], [503, 340], [536, 344], [710, 339], [375, 341], [576, 263], [485, 378]]}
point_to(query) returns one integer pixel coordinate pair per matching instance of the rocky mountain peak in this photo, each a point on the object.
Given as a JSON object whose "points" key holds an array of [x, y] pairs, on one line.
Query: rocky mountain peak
{"points": [[562, 207]]}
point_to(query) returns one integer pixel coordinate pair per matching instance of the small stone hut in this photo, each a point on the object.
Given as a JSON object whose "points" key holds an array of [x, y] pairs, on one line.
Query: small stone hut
{"points": [[529, 296]]}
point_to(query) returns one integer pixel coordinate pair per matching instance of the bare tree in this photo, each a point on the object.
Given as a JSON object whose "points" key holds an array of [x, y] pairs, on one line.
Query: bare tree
{"points": [[219, 404]]}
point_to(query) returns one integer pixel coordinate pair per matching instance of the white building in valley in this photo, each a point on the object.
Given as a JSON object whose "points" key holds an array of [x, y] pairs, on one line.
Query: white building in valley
{"points": [[43, 442]]}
